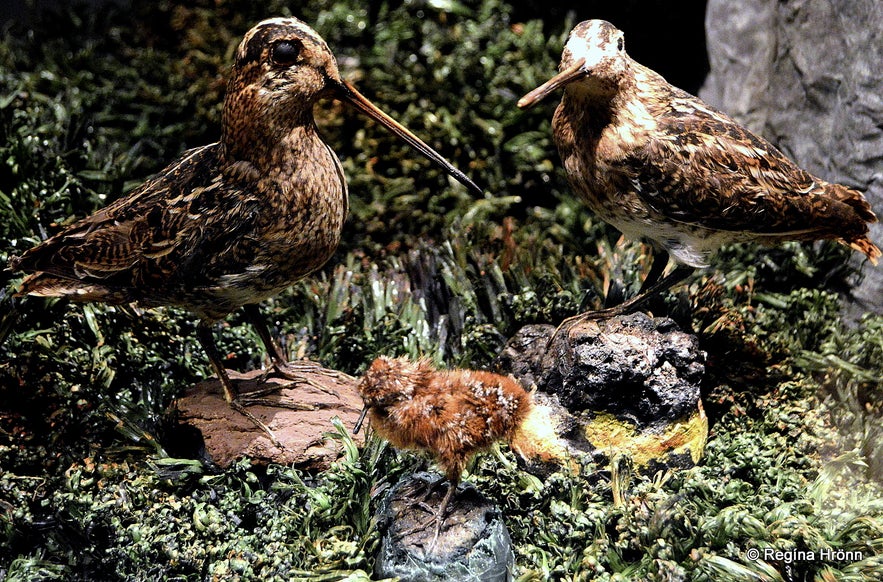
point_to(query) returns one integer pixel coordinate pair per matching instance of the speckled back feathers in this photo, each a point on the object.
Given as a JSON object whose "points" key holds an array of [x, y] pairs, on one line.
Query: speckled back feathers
{"points": [[229, 223]]}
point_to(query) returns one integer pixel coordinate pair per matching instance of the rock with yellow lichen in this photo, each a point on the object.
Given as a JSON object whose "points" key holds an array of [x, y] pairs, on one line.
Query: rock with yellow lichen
{"points": [[627, 384]]}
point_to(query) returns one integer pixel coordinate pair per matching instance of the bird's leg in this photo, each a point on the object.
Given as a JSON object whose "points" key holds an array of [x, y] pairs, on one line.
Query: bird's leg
{"points": [[422, 502], [646, 293], [680, 273], [278, 359], [657, 268], [231, 394], [442, 510], [430, 487], [207, 340], [253, 316], [437, 516]]}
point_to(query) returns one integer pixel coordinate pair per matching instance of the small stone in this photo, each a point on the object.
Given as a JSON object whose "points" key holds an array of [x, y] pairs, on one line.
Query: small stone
{"points": [[473, 544]]}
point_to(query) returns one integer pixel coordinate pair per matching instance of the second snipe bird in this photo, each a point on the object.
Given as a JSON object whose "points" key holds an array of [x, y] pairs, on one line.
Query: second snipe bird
{"points": [[660, 164]]}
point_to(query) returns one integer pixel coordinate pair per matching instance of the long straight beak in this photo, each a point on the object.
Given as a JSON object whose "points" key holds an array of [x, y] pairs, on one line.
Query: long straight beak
{"points": [[359, 422], [563, 78], [348, 94]]}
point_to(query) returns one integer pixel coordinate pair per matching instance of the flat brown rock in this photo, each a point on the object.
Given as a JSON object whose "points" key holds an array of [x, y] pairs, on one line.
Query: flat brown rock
{"points": [[298, 412]]}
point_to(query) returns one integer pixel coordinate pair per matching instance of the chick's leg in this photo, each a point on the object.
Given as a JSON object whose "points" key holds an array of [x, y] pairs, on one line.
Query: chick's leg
{"points": [[442, 510]]}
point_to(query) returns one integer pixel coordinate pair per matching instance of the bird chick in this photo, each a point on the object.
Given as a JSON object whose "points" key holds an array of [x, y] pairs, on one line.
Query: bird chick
{"points": [[232, 223], [660, 164], [453, 414]]}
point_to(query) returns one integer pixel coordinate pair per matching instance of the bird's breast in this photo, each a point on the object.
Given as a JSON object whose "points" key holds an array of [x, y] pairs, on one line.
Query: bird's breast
{"points": [[298, 210], [305, 215], [598, 148], [592, 143]]}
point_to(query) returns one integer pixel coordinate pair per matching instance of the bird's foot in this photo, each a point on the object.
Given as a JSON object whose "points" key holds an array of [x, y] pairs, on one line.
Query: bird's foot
{"points": [[653, 286], [258, 398], [285, 368], [440, 516], [436, 519], [297, 373], [430, 489], [236, 405], [596, 315], [437, 516]]}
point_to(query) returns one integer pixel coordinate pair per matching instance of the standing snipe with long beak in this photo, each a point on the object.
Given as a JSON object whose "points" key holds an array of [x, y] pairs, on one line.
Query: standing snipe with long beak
{"points": [[659, 164], [232, 223]]}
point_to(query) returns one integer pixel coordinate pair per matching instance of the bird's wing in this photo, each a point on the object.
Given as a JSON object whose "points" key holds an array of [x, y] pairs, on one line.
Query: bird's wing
{"points": [[701, 167], [135, 239]]}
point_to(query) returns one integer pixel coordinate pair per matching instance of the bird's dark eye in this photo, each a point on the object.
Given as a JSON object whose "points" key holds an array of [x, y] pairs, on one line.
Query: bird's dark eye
{"points": [[285, 52], [620, 44]]}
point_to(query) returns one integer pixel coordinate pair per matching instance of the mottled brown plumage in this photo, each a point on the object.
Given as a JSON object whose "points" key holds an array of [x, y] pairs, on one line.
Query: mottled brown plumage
{"points": [[451, 414], [660, 164], [231, 223]]}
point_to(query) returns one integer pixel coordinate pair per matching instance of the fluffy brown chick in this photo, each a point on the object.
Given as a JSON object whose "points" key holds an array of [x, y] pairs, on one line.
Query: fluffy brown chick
{"points": [[453, 414]]}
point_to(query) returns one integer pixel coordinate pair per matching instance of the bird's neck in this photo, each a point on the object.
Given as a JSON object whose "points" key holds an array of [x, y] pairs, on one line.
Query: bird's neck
{"points": [[268, 142], [594, 110], [588, 112], [588, 127]]}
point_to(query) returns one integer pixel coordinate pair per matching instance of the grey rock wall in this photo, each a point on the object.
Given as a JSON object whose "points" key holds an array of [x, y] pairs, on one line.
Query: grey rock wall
{"points": [[808, 75]]}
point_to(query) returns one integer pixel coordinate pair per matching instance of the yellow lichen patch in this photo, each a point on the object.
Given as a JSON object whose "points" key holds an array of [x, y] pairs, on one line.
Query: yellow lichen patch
{"points": [[536, 438], [607, 432]]}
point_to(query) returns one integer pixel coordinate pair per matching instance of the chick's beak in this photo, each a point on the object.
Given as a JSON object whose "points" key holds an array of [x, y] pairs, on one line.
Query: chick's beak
{"points": [[361, 419], [348, 94], [566, 76]]}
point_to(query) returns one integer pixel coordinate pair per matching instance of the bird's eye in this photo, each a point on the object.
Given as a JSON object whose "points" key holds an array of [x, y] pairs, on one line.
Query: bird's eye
{"points": [[620, 44], [285, 53]]}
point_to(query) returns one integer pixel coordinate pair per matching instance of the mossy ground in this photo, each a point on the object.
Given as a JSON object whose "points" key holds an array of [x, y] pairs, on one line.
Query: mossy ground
{"points": [[92, 483]]}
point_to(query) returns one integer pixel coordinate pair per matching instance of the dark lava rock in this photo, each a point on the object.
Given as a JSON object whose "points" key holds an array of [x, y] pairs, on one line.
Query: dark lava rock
{"points": [[634, 367], [806, 75], [473, 545], [523, 354], [629, 383]]}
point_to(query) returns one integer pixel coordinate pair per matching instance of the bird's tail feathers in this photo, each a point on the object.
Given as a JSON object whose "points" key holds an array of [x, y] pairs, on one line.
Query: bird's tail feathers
{"points": [[43, 285], [865, 246], [535, 438], [853, 199]]}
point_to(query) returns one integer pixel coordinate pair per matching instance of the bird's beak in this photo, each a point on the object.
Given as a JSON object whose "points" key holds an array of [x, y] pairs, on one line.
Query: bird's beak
{"points": [[348, 94], [566, 76], [361, 420]]}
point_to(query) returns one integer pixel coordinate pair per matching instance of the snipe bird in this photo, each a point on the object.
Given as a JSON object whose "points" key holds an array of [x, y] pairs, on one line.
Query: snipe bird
{"points": [[232, 223], [660, 164]]}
